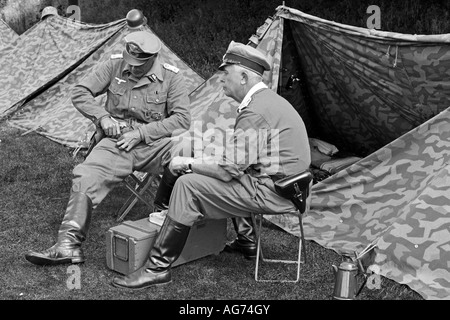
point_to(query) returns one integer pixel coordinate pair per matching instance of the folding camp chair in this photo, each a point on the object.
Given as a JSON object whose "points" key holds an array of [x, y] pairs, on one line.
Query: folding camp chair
{"points": [[296, 188]]}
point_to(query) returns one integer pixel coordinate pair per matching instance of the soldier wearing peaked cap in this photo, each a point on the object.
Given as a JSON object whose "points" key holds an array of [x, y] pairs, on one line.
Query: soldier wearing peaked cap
{"points": [[147, 102], [260, 151], [246, 57]]}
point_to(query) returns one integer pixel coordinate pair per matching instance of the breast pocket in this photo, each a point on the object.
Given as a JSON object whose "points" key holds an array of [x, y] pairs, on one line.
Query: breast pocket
{"points": [[155, 108], [115, 93]]}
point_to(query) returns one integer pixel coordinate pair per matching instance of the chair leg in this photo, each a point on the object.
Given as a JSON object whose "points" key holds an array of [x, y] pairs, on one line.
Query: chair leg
{"points": [[138, 195], [260, 257], [258, 246], [302, 236], [138, 192]]}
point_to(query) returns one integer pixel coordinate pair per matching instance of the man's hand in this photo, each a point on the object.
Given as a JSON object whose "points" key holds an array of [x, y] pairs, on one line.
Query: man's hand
{"points": [[110, 127], [180, 165], [129, 140]]}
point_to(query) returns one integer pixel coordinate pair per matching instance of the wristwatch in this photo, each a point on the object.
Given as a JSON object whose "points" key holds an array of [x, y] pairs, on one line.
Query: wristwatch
{"points": [[190, 166]]}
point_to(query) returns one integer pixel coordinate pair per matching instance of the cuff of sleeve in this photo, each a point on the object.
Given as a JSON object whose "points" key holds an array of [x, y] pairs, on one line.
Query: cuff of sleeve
{"points": [[232, 169], [146, 132], [97, 121], [142, 134]]}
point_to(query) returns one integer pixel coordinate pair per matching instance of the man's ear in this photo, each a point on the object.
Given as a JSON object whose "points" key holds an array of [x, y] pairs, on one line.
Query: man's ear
{"points": [[244, 77]]}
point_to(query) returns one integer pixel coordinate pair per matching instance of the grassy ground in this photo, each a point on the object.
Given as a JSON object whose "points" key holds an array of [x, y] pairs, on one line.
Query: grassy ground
{"points": [[35, 178]]}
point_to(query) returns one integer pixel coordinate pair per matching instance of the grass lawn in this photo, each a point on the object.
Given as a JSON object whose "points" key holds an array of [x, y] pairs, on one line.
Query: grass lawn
{"points": [[35, 179]]}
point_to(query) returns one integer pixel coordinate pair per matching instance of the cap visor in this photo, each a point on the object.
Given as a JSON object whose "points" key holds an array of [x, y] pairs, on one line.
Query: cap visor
{"points": [[224, 64], [131, 60]]}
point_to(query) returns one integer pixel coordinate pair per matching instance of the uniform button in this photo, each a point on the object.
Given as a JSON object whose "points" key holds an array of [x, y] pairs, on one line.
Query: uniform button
{"points": [[132, 109], [135, 97], [157, 100]]}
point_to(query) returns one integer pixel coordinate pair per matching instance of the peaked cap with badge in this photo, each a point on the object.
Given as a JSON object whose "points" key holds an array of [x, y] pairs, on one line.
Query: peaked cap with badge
{"points": [[246, 56], [140, 47]]}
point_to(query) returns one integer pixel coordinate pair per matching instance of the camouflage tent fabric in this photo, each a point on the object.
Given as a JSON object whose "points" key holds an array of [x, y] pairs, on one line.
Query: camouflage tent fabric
{"points": [[51, 113], [395, 200], [44, 54], [378, 95], [384, 94]]}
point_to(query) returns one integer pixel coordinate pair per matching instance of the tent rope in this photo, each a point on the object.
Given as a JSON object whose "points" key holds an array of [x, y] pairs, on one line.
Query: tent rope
{"points": [[396, 55]]}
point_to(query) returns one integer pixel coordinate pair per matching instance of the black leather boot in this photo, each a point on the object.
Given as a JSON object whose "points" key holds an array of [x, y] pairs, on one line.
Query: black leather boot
{"points": [[166, 250], [245, 241], [164, 191], [72, 233]]}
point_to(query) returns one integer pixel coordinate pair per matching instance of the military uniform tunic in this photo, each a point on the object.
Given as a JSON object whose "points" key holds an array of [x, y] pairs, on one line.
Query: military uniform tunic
{"points": [[157, 105], [280, 148]]}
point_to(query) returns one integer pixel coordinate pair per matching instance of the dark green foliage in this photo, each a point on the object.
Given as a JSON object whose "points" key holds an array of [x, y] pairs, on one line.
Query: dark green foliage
{"points": [[199, 31]]}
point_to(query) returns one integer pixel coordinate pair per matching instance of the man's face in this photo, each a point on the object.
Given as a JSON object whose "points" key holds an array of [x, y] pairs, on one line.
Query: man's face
{"points": [[231, 79], [140, 71]]}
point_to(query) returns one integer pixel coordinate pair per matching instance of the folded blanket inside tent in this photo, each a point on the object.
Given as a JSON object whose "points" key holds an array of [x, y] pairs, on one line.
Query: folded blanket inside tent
{"points": [[324, 156]]}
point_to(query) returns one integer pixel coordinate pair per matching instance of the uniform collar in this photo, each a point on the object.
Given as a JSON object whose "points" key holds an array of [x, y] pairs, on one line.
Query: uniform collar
{"points": [[155, 70], [248, 97]]}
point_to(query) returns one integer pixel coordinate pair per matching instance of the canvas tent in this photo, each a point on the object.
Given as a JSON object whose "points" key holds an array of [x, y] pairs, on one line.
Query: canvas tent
{"points": [[378, 95]]}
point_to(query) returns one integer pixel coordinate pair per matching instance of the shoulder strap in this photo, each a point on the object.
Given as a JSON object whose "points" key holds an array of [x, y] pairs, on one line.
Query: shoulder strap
{"points": [[171, 68]]}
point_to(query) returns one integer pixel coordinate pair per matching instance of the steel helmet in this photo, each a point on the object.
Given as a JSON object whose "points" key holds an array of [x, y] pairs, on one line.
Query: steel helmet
{"points": [[136, 19], [49, 11]]}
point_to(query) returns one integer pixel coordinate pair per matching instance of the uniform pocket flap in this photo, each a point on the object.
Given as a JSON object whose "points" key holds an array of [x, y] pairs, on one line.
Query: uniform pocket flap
{"points": [[156, 98]]}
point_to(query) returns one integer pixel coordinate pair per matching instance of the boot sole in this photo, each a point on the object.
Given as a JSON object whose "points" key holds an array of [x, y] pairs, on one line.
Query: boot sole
{"points": [[140, 288], [239, 251], [41, 261]]}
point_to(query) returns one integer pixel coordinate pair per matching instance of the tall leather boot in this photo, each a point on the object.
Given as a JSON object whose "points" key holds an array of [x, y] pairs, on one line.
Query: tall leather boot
{"points": [[166, 250], [245, 241], [164, 191], [72, 233]]}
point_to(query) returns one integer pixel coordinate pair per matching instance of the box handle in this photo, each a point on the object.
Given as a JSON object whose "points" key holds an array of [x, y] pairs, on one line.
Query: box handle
{"points": [[123, 257]]}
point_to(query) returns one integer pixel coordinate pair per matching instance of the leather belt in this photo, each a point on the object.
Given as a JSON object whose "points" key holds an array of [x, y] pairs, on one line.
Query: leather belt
{"points": [[255, 173], [128, 124], [277, 177]]}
